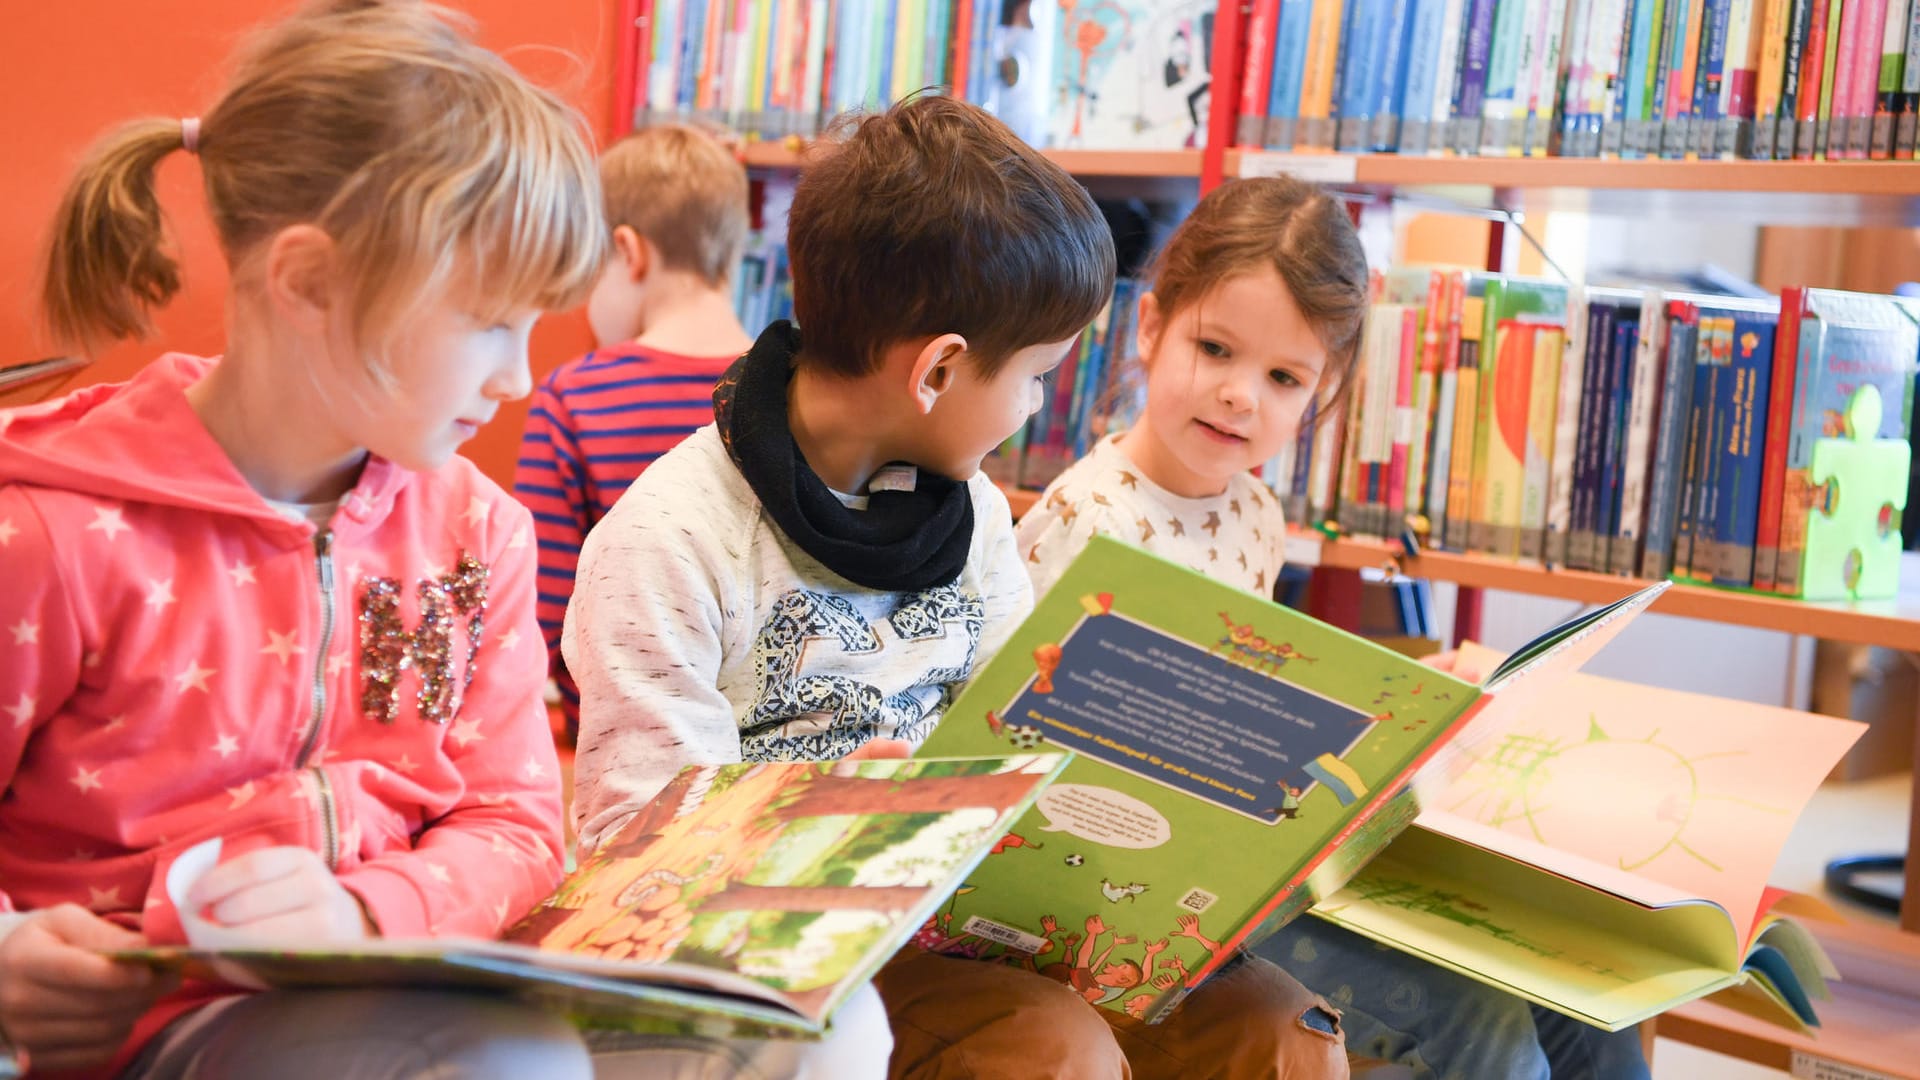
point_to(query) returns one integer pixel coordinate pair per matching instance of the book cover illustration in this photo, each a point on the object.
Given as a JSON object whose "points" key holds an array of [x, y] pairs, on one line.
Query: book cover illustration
{"points": [[1227, 750], [750, 897], [1131, 74]]}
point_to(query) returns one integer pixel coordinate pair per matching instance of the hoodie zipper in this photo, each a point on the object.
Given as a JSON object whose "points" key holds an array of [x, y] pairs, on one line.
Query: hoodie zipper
{"points": [[330, 825]]}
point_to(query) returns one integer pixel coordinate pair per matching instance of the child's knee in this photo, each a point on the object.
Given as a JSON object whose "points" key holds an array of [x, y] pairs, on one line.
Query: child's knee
{"points": [[1255, 1020], [966, 1018]]}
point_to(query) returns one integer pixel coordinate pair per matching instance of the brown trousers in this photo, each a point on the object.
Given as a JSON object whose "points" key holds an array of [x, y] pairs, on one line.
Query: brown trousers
{"points": [[954, 1018]]}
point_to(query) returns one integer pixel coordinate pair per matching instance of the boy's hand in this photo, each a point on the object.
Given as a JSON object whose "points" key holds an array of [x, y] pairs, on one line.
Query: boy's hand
{"points": [[878, 749], [1449, 662], [281, 893], [61, 1001]]}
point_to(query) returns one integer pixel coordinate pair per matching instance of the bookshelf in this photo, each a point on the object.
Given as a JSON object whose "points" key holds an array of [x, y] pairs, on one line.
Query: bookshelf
{"points": [[1845, 178]]}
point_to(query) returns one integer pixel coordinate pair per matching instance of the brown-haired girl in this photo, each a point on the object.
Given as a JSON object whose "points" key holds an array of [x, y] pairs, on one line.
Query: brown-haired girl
{"points": [[1255, 313]]}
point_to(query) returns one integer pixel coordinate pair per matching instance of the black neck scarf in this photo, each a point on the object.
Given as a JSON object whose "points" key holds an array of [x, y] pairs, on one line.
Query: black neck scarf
{"points": [[904, 541]]}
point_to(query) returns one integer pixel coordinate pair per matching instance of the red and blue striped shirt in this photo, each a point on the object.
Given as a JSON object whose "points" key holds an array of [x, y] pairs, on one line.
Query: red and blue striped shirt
{"points": [[596, 423]]}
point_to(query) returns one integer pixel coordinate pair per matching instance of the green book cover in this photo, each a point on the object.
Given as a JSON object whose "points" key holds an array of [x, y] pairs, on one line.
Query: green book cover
{"points": [[1235, 760], [744, 900]]}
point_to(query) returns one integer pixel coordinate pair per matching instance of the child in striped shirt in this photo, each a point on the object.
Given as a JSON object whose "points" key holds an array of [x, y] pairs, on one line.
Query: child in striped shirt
{"points": [[662, 315]]}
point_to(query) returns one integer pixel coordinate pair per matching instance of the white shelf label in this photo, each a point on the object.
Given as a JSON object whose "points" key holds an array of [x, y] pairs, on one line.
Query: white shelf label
{"points": [[1808, 1067], [1317, 168], [1302, 549]]}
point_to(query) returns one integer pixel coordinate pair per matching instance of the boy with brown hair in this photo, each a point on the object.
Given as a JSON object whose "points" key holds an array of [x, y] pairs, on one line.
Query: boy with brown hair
{"points": [[816, 575], [662, 317]]}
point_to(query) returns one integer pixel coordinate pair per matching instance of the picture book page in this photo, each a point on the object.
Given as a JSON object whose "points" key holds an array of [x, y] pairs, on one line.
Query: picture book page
{"points": [[804, 877], [1553, 941], [1693, 792]]}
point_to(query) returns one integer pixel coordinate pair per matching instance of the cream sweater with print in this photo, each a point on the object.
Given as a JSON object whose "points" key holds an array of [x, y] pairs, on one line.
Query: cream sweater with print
{"points": [[700, 635], [1237, 537]]}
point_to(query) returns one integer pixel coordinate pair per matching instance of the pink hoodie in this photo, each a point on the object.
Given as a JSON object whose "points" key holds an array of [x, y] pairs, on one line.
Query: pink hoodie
{"points": [[179, 661]]}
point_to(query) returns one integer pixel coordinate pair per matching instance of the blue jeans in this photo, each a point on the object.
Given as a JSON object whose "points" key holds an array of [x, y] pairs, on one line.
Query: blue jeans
{"points": [[1440, 1025]]}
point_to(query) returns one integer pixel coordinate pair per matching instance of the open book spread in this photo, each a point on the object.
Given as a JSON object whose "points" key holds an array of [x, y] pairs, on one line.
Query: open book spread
{"points": [[745, 899], [1236, 761], [1605, 852]]}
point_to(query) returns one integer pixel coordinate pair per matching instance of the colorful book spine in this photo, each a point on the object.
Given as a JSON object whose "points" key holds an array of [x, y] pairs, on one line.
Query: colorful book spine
{"points": [[1389, 78], [1642, 408], [1737, 92], [1906, 120], [1741, 464], [1893, 58], [1407, 346], [1549, 353], [1423, 60], [1704, 128], [1543, 81], [1774, 20], [1626, 337], [1680, 83], [1786, 348], [1830, 52], [1452, 68], [1574, 116], [1566, 428], [1461, 480], [1649, 36], [1611, 93], [1289, 73], [1506, 377], [1716, 333], [1256, 81], [1693, 471], [1663, 487], [1440, 485], [1502, 102], [1845, 49], [1431, 320], [1583, 546], [1318, 76], [1469, 106]]}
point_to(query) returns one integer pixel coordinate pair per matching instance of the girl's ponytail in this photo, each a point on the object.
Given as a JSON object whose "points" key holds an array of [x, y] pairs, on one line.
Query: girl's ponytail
{"points": [[107, 263]]}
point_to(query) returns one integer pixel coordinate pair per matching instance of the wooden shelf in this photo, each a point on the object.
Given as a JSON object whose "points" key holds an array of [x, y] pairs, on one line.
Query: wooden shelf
{"points": [[1894, 624], [1891, 623], [1764, 177], [1159, 164]]}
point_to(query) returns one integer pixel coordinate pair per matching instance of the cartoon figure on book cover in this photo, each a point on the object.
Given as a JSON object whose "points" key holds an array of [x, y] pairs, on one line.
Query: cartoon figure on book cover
{"points": [[1133, 73]]}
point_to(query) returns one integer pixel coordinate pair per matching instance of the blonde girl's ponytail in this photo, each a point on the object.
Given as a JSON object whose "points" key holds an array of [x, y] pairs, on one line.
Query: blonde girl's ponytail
{"points": [[108, 265]]}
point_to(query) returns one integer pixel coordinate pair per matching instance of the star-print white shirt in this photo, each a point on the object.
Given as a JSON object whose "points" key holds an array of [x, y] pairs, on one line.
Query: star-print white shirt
{"points": [[1237, 536]]}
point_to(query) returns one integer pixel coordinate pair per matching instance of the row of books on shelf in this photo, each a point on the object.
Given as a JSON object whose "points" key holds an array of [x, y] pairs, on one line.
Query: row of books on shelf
{"points": [[1754, 444], [1760, 79], [1124, 73]]}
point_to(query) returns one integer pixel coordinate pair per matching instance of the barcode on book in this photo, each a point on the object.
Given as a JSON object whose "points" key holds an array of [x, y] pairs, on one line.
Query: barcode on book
{"points": [[1011, 937], [1198, 900]]}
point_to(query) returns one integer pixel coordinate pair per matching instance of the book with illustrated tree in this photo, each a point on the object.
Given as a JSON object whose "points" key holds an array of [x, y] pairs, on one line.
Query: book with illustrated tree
{"points": [[744, 899]]}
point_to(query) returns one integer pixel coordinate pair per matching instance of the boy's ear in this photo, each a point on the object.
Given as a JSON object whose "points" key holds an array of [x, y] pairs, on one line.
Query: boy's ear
{"points": [[635, 252], [298, 276], [935, 369], [1147, 327]]}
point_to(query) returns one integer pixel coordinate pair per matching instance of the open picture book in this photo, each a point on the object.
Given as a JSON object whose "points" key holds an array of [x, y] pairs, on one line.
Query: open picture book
{"points": [[744, 900], [1236, 761], [1605, 852]]}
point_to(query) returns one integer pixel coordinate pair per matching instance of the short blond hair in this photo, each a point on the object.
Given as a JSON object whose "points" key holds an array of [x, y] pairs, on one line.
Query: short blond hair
{"points": [[680, 188], [429, 161]]}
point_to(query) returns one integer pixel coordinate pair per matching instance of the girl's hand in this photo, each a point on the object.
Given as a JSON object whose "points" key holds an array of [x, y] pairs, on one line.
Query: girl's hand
{"points": [[61, 1001], [281, 894], [877, 749]]}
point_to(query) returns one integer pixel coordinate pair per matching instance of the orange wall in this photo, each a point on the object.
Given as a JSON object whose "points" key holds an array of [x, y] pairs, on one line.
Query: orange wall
{"points": [[71, 69]]}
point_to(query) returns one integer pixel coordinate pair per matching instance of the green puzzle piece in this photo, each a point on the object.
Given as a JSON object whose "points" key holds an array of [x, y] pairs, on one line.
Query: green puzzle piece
{"points": [[1852, 553]]}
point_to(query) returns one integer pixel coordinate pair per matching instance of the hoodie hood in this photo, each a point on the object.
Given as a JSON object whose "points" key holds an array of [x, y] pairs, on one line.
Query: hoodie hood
{"points": [[141, 441]]}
